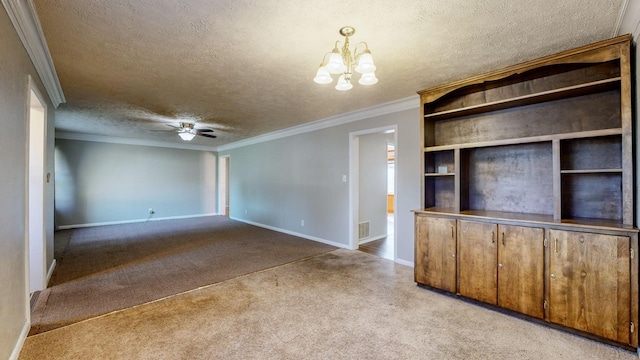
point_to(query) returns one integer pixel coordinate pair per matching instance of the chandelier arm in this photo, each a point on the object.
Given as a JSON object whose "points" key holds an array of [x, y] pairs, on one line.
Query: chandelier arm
{"points": [[324, 59], [355, 49]]}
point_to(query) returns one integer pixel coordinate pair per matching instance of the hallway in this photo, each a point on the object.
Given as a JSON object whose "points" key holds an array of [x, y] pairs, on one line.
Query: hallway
{"points": [[382, 247]]}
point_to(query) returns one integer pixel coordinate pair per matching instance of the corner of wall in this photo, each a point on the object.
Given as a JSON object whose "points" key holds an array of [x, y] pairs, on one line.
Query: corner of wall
{"points": [[50, 272], [23, 336]]}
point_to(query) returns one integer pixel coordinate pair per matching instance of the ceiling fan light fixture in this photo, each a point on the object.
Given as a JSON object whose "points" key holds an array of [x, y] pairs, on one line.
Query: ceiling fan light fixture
{"points": [[186, 136]]}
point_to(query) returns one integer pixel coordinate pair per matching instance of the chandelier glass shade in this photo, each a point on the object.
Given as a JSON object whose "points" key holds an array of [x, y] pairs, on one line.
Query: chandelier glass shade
{"points": [[344, 62]]}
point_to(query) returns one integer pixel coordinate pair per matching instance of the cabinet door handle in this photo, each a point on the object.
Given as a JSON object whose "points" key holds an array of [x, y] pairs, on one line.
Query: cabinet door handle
{"points": [[556, 244], [493, 237], [503, 244], [452, 233]]}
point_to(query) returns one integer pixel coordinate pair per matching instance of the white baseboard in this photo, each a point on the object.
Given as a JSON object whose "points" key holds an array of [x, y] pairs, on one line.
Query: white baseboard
{"points": [[368, 240], [50, 272], [404, 262], [23, 336], [304, 236], [74, 226]]}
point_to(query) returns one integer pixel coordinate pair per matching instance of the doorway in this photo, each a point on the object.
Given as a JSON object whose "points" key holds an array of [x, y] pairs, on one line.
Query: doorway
{"points": [[223, 186], [372, 204], [36, 170]]}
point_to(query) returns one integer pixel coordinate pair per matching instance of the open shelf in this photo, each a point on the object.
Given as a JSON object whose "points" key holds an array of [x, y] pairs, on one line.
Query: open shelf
{"points": [[525, 140], [565, 92], [440, 191], [438, 174], [591, 155], [591, 171], [511, 178], [553, 138], [594, 195]]}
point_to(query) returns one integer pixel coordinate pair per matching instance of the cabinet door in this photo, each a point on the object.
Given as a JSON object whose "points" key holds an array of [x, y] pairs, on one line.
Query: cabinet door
{"points": [[590, 283], [478, 263], [521, 269], [436, 252]]}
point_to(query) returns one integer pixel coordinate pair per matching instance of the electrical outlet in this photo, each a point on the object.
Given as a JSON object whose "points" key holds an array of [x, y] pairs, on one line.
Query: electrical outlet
{"points": [[301, 222], [151, 212], [245, 211]]}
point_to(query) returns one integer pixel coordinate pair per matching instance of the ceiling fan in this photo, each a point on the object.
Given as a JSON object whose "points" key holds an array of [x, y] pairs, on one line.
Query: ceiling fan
{"points": [[187, 131]]}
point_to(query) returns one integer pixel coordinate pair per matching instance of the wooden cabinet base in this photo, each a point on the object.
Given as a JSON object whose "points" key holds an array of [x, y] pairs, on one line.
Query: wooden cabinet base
{"points": [[569, 276]]}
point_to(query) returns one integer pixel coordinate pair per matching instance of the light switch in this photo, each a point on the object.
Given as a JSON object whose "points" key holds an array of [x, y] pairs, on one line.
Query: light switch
{"points": [[344, 178]]}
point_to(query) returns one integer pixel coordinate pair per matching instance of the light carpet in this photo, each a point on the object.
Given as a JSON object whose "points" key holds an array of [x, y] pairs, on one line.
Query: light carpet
{"points": [[338, 305]]}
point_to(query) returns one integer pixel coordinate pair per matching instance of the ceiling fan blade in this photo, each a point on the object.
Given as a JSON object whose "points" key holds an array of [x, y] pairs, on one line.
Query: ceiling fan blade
{"points": [[204, 130], [207, 135]]}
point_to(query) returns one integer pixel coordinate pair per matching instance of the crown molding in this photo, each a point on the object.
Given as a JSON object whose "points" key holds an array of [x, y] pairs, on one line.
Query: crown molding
{"points": [[129, 141], [25, 20], [378, 110], [629, 19], [411, 102]]}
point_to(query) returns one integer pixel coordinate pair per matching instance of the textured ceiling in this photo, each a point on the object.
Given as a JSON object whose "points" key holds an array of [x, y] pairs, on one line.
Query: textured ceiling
{"points": [[245, 67]]}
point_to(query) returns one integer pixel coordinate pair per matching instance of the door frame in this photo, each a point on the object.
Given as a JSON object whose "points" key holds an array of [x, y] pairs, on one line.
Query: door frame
{"points": [[35, 224], [354, 183], [223, 184]]}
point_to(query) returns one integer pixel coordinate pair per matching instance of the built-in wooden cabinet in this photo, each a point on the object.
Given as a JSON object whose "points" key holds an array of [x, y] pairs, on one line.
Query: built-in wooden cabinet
{"points": [[502, 265], [435, 247], [521, 269], [529, 171], [589, 283], [478, 261]]}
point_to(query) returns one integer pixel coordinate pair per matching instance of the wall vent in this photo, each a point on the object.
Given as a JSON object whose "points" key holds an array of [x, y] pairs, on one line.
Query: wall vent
{"points": [[363, 230]]}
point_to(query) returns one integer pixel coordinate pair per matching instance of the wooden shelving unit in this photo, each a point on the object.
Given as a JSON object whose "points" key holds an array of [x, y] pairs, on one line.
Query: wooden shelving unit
{"points": [[534, 98], [535, 161]]}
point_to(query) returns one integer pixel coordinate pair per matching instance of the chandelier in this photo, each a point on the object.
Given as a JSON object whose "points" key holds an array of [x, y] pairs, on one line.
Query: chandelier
{"points": [[343, 61]]}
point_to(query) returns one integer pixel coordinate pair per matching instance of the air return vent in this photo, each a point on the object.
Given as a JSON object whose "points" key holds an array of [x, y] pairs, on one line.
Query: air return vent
{"points": [[363, 230]]}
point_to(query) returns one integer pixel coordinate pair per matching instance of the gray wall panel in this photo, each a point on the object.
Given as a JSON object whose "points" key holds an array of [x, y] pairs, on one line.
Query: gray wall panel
{"points": [[103, 182]]}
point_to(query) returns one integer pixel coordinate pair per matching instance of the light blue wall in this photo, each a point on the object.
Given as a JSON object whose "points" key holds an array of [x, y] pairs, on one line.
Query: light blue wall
{"points": [[99, 182], [15, 67], [281, 182]]}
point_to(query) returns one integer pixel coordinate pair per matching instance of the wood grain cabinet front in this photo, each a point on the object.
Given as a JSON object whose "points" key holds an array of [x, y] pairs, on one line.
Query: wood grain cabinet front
{"points": [[590, 284], [502, 265], [435, 252], [478, 261]]}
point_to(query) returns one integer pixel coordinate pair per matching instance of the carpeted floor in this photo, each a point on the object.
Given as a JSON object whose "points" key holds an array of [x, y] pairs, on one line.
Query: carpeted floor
{"points": [[107, 268], [337, 305]]}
